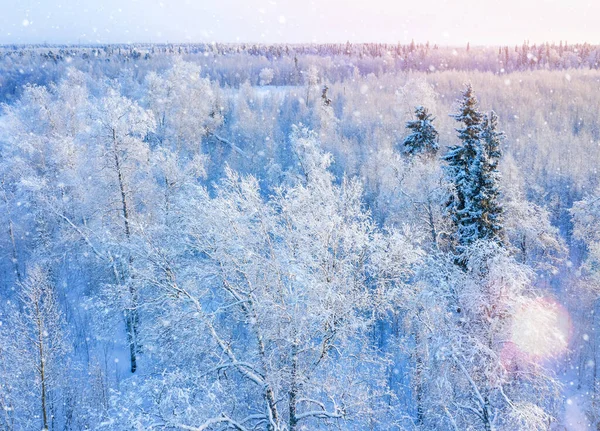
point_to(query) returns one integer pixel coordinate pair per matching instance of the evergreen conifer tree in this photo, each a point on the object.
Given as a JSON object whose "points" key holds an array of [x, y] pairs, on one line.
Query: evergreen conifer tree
{"points": [[461, 160], [423, 137], [473, 170], [490, 224]]}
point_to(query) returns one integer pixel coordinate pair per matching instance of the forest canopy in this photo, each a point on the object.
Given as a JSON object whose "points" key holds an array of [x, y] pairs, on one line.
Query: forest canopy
{"points": [[345, 236]]}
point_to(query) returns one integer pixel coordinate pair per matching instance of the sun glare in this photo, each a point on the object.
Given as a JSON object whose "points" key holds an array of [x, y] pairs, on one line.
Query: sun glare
{"points": [[541, 328]]}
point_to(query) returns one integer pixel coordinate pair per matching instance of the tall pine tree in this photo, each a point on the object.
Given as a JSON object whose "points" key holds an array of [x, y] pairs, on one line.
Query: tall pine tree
{"points": [[472, 169], [490, 224], [461, 159], [423, 137]]}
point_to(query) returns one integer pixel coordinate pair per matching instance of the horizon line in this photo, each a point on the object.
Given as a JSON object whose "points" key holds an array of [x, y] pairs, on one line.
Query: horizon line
{"points": [[129, 43]]}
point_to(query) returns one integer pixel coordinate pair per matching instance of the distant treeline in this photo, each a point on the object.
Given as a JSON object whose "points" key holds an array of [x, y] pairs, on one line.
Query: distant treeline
{"points": [[413, 56], [231, 65]]}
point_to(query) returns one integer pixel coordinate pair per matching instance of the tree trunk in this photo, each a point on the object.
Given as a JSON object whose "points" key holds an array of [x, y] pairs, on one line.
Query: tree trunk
{"points": [[487, 420], [269, 394], [595, 356], [431, 223], [131, 314], [11, 234], [15, 259], [419, 380], [293, 393], [41, 368]]}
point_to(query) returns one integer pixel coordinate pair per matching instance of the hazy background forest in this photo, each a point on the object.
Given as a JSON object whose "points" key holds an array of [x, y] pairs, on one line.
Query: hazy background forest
{"points": [[221, 236]]}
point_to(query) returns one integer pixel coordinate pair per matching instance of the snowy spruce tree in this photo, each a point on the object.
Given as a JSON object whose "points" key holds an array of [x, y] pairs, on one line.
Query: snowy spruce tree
{"points": [[461, 159], [490, 225], [473, 171], [423, 138]]}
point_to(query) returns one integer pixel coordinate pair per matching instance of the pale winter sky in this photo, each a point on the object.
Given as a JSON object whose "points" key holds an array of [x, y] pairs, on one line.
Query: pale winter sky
{"points": [[446, 22]]}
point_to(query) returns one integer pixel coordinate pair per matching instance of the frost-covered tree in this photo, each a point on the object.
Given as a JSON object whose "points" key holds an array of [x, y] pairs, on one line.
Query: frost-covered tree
{"points": [[487, 199], [535, 241], [121, 129], [414, 198], [423, 137], [487, 336], [12, 383], [311, 78], [472, 169], [185, 106], [39, 160], [266, 76], [461, 160], [35, 352]]}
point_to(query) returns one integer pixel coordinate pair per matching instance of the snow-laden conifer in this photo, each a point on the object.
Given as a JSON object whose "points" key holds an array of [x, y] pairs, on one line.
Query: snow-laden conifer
{"points": [[423, 138]]}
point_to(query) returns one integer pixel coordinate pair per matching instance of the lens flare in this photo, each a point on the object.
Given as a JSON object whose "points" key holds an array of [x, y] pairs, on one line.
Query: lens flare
{"points": [[541, 328]]}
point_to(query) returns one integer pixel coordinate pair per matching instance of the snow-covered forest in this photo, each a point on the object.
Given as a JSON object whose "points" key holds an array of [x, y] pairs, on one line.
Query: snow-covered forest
{"points": [[303, 237]]}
